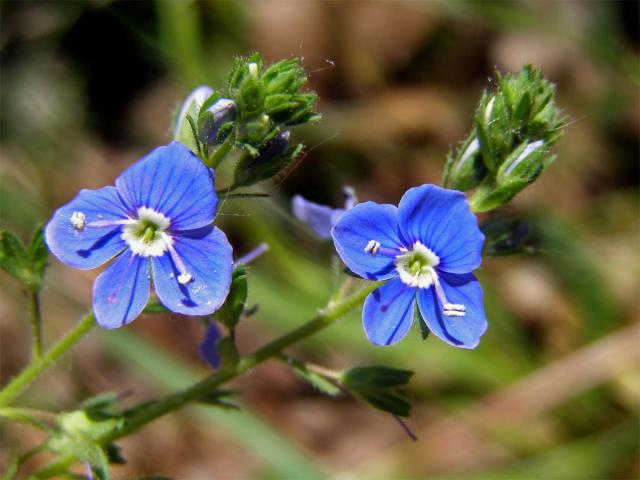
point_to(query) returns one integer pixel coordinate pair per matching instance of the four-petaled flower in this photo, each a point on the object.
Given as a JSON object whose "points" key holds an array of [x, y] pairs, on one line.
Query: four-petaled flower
{"points": [[156, 221], [427, 247]]}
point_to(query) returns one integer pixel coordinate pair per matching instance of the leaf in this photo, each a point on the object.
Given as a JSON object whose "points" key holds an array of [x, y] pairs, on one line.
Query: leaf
{"points": [[236, 301], [13, 256], [25, 264], [313, 378], [386, 401], [11, 469], [375, 377], [38, 253]]}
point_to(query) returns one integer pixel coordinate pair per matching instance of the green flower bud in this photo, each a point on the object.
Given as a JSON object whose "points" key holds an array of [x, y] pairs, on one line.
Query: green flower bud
{"points": [[185, 125], [465, 170]]}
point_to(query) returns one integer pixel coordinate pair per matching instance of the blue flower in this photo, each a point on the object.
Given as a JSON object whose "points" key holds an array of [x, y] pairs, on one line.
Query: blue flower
{"points": [[427, 248], [157, 220], [321, 218]]}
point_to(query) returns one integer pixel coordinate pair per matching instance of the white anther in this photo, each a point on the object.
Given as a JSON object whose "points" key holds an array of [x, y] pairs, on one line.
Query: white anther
{"points": [[372, 247], [78, 220], [454, 306], [453, 313], [184, 277]]}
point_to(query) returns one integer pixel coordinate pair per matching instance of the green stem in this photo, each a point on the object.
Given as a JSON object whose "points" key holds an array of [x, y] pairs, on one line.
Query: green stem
{"points": [[36, 324], [20, 383], [180, 398]]}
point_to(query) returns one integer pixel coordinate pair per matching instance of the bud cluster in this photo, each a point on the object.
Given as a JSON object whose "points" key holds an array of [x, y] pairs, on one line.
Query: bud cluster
{"points": [[252, 114], [508, 148]]}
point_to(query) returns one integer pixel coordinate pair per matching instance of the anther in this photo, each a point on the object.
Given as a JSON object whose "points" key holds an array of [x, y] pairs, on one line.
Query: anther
{"points": [[372, 247], [184, 277], [455, 306], [78, 220], [453, 313]]}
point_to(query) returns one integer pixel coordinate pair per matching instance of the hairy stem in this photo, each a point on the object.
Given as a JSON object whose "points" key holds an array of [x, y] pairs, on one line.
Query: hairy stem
{"points": [[36, 323], [20, 383], [181, 398]]}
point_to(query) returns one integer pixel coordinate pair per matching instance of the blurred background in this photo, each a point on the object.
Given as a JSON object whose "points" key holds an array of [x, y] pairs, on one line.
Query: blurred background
{"points": [[88, 87]]}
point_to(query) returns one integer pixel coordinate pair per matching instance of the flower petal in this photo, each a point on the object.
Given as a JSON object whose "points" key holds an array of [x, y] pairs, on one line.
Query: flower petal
{"points": [[464, 331], [387, 314], [442, 220], [208, 349], [87, 247], [174, 182], [206, 254], [319, 217], [120, 293], [354, 230]]}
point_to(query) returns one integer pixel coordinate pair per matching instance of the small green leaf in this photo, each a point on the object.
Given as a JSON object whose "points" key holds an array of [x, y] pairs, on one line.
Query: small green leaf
{"points": [[375, 377], [376, 386], [231, 311], [27, 416], [313, 378], [25, 264]]}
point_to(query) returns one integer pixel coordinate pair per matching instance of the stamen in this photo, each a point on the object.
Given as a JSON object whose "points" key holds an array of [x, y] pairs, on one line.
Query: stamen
{"points": [[78, 220], [110, 223], [184, 277], [372, 247], [449, 309]]}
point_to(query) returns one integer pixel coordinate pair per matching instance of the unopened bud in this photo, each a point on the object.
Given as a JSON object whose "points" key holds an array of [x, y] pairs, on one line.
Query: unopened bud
{"points": [[187, 118], [223, 111], [465, 170]]}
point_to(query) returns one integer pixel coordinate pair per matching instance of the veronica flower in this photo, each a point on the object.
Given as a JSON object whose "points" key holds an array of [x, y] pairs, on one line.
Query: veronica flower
{"points": [[156, 221], [426, 248], [321, 218]]}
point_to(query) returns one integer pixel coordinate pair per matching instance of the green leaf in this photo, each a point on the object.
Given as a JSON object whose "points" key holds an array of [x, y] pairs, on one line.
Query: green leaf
{"points": [[230, 312], [375, 377], [38, 253], [313, 378], [13, 257], [376, 386], [25, 264]]}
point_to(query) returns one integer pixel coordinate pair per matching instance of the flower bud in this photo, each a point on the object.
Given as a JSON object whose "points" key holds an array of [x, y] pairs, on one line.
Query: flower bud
{"points": [[273, 158], [525, 163], [222, 112], [465, 170], [183, 130]]}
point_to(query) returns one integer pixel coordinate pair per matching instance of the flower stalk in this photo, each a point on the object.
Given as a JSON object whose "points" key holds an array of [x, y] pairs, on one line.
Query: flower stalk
{"points": [[21, 382], [179, 399]]}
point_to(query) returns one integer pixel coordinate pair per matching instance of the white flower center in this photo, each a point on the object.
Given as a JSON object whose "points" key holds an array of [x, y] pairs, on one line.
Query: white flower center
{"points": [[416, 267], [145, 236]]}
